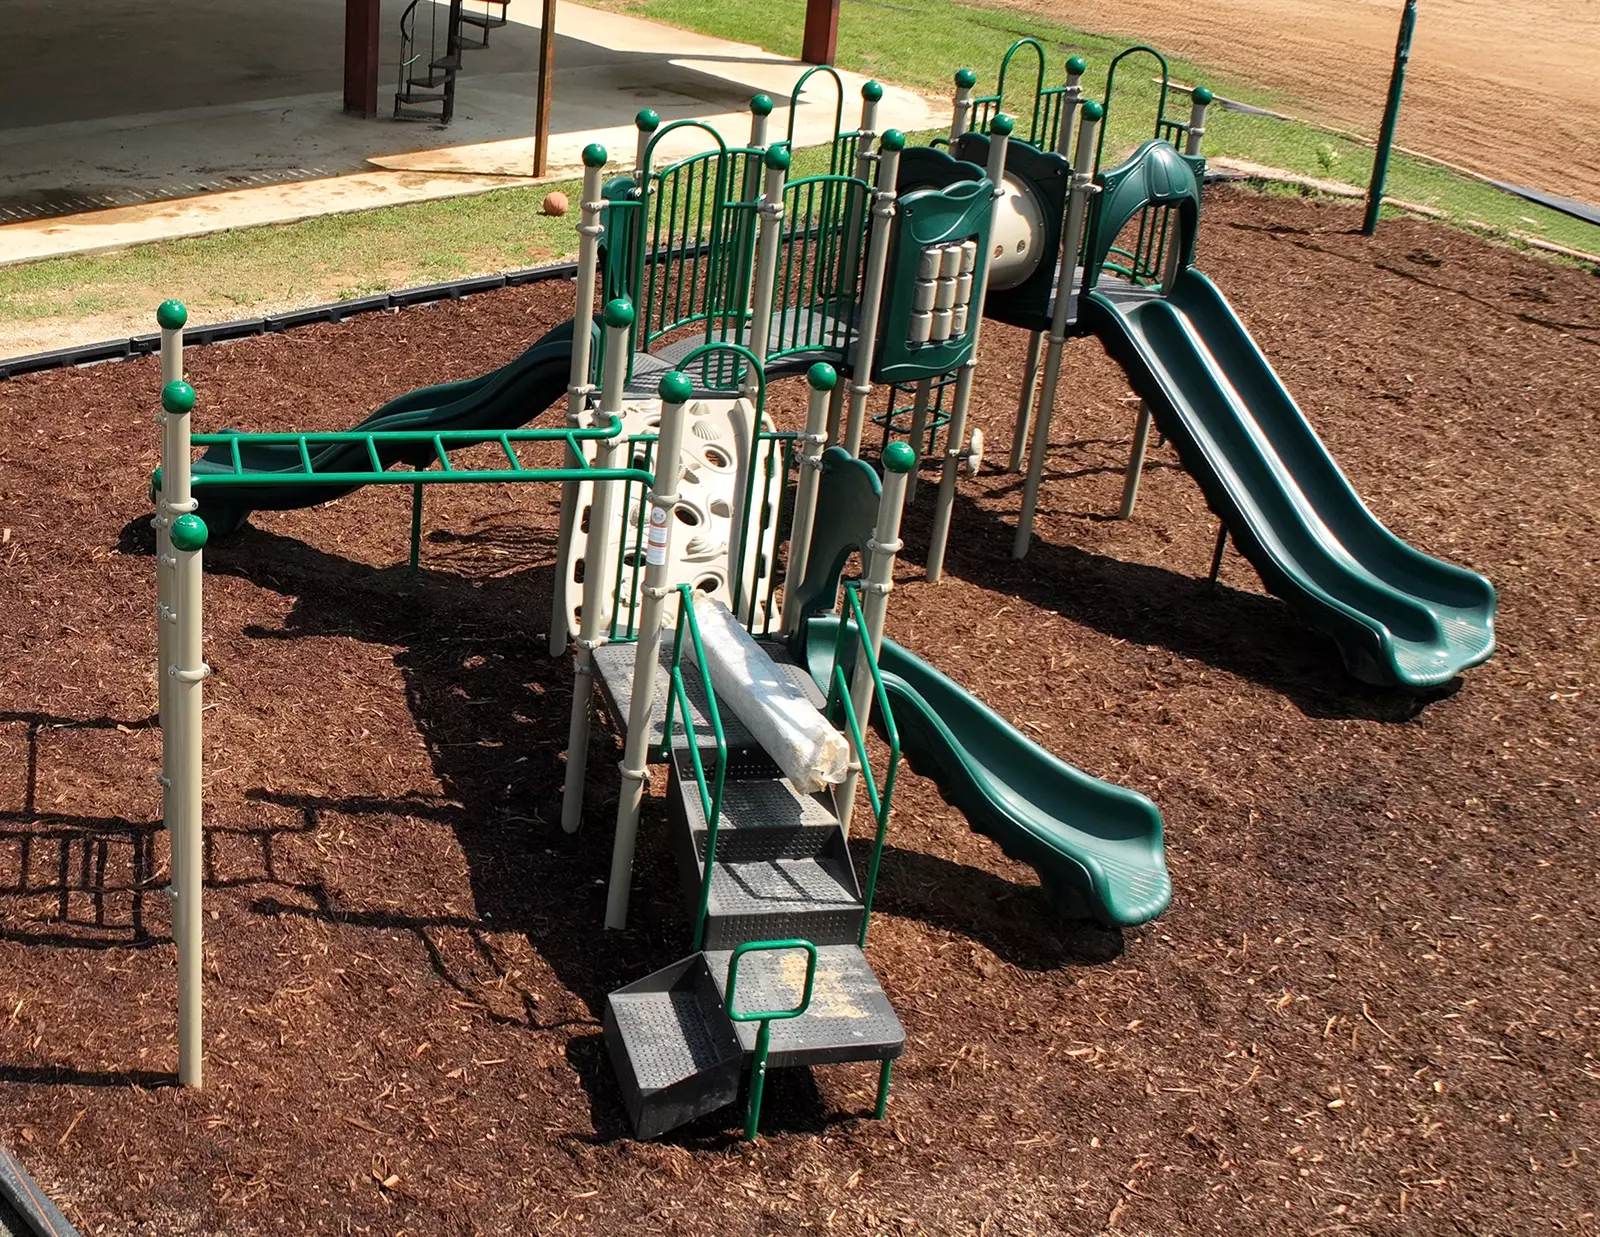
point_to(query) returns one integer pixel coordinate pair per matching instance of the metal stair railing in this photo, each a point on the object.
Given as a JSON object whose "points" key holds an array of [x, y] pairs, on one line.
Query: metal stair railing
{"points": [[758, 1063]]}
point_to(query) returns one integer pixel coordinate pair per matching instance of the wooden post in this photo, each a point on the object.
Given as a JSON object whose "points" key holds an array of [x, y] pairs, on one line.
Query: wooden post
{"points": [[361, 57], [820, 44], [547, 68]]}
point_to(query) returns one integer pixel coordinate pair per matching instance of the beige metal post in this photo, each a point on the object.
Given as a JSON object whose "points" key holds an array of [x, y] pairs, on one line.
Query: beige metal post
{"points": [[961, 110], [1030, 381], [1077, 209], [821, 378], [596, 576], [579, 387], [170, 317], [956, 431], [919, 427], [899, 462], [675, 391], [883, 212]]}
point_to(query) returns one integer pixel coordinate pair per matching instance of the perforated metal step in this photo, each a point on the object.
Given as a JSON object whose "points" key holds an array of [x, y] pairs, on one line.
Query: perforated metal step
{"points": [[762, 818]]}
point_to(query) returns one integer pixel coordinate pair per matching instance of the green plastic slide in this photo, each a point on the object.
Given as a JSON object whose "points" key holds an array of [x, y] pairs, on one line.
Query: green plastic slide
{"points": [[1399, 617], [503, 399], [1097, 847]]}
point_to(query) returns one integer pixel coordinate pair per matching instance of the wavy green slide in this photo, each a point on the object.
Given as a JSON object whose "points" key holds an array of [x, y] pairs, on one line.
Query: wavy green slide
{"points": [[1399, 617], [1097, 847], [502, 399]]}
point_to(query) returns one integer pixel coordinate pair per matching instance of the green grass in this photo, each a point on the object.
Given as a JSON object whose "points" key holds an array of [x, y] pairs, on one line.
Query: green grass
{"points": [[916, 43]]}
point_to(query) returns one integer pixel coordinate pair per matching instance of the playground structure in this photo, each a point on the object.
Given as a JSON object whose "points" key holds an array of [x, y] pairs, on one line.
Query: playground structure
{"points": [[720, 273]]}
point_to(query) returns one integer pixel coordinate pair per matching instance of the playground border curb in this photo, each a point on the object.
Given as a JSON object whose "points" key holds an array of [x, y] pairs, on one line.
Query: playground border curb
{"points": [[136, 346], [21, 1193]]}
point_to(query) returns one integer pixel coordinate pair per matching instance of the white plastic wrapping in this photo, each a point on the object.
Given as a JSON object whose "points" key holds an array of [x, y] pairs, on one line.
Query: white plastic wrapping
{"points": [[792, 730]]}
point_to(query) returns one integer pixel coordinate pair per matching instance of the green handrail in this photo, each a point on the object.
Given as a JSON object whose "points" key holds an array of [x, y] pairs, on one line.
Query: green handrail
{"points": [[839, 695], [766, 1017], [678, 697]]}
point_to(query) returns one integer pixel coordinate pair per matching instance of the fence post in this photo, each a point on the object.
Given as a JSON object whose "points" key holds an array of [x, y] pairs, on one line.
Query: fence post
{"points": [[821, 378], [1083, 188], [1391, 117], [675, 391], [579, 384], [596, 577], [883, 212], [956, 431]]}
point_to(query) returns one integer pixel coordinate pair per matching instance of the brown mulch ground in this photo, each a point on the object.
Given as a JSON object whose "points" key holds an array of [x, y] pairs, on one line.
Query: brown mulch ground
{"points": [[1372, 1007]]}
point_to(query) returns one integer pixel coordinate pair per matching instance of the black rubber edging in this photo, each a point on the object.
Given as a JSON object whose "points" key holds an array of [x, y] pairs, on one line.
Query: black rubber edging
{"points": [[244, 328], [22, 1195]]}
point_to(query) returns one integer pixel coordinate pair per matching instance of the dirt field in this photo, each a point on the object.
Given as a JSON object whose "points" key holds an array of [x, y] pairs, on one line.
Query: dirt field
{"points": [[1372, 1007], [1508, 89]]}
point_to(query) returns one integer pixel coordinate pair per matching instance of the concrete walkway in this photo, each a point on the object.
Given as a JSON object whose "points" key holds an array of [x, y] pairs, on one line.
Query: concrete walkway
{"points": [[97, 150]]}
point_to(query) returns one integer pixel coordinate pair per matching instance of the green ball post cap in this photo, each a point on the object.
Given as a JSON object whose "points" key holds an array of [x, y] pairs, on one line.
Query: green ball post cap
{"points": [[155, 483], [822, 377], [966, 79], [594, 155], [761, 105], [1002, 125], [778, 157], [899, 457], [647, 119], [872, 92], [171, 315], [1077, 66], [177, 397], [619, 313], [1201, 95], [1093, 111], [893, 139], [189, 532], [676, 388]]}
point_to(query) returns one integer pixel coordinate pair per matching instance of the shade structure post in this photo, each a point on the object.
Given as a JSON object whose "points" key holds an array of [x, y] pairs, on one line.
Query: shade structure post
{"points": [[579, 385], [596, 577], [1391, 118], [547, 73], [899, 462], [821, 378], [883, 212], [961, 106], [956, 431], [1083, 188], [675, 391]]}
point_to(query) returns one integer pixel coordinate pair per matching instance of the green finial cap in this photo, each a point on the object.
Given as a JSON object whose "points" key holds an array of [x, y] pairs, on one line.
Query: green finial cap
{"points": [[676, 388], [778, 156], [872, 91], [761, 105], [1002, 125], [594, 155], [171, 315], [966, 79], [822, 376], [155, 483], [177, 397], [647, 119], [1093, 111], [893, 139], [1201, 95], [189, 532], [1076, 66], [899, 457], [619, 313]]}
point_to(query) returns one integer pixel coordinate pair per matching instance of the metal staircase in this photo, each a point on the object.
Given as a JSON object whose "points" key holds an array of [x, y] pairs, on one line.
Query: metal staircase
{"points": [[430, 58]]}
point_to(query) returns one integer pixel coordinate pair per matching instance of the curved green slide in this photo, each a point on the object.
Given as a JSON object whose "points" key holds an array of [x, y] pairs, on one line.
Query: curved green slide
{"points": [[502, 399], [1097, 847], [1399, 617]]}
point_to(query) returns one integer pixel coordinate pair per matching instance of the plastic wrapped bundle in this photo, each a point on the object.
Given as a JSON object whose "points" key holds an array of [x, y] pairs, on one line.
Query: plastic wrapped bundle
{"points": [[792, 730]]}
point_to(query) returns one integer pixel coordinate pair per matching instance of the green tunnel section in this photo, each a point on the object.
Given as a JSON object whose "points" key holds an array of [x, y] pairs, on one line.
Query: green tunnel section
{"points": [[1097, 847], [503, 399]]}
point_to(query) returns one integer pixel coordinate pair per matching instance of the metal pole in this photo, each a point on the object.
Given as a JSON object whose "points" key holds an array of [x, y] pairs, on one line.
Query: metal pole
{"points": [[579, 386], [675, 391], [821, 378], [1391, 116], [883, 211], [596, 576], [1070, 98], [1077, 207], [956, 431], [646, 122], [919, 426], [1030, 380], [961, 110], [547, 72], [1130, 480], [899, 462], [171, 317]]}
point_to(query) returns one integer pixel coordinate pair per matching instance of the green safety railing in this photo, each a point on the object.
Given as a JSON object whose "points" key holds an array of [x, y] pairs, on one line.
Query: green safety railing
{"points": [[1044, 109], [839, 698], [818, 283], [710, 790], [842, 150], [1172, 130], [899, 421], [766, 1017]]}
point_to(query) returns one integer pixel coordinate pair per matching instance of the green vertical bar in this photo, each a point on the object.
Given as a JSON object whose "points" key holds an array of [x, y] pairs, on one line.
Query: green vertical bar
{"points": [[416, 526], [1391, 116], [884, 1072], [758, 1080]]}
